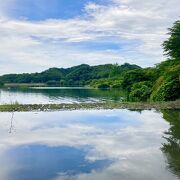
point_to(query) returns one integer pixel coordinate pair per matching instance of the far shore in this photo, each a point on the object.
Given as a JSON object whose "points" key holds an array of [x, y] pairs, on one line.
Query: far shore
{"points": [[174, 105], [25, 85]]}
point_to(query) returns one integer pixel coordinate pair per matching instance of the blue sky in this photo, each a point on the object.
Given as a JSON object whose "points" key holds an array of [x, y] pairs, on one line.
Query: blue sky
{"points": [[39, 34], [37, 10]]}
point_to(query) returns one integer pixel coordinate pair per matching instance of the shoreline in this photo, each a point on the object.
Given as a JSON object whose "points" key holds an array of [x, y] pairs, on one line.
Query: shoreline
{"points": [[174, 105]]}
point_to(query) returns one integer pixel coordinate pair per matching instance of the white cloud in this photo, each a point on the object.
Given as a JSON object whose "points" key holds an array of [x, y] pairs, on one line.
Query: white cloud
{"points": [[131, 140], [34, 46]]}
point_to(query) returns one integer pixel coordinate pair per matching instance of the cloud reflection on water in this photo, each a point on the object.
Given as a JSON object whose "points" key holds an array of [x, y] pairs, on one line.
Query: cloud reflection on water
{"points": [[128, 139]]}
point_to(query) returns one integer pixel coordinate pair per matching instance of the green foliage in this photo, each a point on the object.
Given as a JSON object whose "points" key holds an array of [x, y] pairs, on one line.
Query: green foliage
{"points": [[120, 70], [116, 85], [160, 83], [52, 74], [75, 76], [172, 44], [167, 85], [111, 82], [140, 91], [165, 67], [132, 77], [169, 90]]}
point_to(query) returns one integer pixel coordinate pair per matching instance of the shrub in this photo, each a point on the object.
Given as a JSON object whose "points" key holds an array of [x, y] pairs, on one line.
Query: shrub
{"points": [[168, 91], [140, 91]]}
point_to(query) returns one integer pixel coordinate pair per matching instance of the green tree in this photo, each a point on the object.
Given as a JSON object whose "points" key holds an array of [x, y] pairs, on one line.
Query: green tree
{"points": [[172, 44], [132, 77]]}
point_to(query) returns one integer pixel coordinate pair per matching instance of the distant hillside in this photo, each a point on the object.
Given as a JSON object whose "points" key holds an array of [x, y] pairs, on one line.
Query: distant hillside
{"points": [[75, 76]]}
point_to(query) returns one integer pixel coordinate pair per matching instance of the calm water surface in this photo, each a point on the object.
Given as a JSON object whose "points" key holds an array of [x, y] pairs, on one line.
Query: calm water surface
{"points": [[47, 95], [90, 145]]}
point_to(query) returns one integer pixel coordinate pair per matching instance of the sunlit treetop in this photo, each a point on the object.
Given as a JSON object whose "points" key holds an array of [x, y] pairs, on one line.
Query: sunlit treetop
{"points": [[172, 44]]}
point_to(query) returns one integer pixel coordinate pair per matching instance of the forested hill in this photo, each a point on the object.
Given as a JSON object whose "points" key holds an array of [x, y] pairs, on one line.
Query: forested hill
{"points": [[74, 76]]}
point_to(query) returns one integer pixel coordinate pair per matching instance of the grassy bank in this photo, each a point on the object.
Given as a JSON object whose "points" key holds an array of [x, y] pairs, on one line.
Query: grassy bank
{"points": [[96, 106]]}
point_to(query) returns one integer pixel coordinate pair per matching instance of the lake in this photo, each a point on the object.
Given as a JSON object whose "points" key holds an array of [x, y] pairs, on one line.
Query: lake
{"points": [[53, 95], [90, 145]]}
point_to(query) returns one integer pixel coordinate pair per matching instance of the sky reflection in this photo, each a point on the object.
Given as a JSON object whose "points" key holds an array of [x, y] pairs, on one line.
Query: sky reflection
{"points": [[104, 144]]}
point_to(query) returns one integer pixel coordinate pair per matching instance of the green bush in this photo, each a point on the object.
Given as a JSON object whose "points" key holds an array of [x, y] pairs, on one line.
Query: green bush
{"points": [[168, 91], [140, 91]]}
